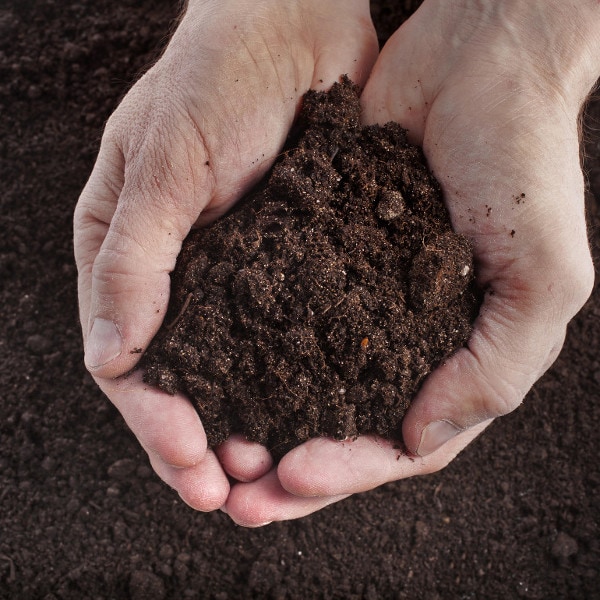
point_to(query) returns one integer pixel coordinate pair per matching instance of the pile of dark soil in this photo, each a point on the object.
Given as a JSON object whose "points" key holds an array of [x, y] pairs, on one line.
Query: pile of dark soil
{"points": [[83, 517], [319, 306]]}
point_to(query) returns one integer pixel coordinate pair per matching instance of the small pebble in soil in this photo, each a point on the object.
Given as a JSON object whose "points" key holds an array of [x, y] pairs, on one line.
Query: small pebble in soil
{"points": [[38, 344], [122, 468], [564, 546]]}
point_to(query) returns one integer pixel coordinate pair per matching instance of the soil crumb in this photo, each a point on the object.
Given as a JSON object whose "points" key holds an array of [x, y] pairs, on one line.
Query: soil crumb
{"points": [[318, 306]]}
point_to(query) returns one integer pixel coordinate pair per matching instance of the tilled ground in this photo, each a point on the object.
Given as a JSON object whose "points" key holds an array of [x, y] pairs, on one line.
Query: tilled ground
{"points": [[81, 513]]}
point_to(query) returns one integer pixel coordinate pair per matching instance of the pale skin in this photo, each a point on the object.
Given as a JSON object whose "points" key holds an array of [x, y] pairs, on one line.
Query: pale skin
{"points": [[492, 90]]}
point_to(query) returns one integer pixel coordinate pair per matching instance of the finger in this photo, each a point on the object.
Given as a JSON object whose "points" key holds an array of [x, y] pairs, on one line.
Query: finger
{"points": [[397, 88], [89, 227], [243, 460], [265, 501], [203, 487], [352, 50], [164, 424], [128, 232], [324, 467]]}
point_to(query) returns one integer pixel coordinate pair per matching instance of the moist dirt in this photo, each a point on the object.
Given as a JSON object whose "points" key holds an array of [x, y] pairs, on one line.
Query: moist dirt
{"points": [[318, 306]]}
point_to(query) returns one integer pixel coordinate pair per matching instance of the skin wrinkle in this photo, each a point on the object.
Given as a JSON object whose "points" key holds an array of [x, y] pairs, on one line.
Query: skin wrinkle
{"points": [[90, 214], [498, 333], [162, 189], [492, 336], [125, 239], [207, 180], [241, 115], [111, 177], [492, 399]]}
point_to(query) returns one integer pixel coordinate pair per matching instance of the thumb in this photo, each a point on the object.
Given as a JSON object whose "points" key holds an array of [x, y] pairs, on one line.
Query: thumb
{"points": [[129, 225], [519, 333], [487, 379]]}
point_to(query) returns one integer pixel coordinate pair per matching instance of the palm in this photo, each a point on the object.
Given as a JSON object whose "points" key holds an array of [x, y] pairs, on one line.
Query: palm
{"points": [[507, 160]]}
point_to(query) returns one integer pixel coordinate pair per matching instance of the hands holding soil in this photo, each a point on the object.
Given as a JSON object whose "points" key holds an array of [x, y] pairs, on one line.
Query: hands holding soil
{"points": [[493, 95]]}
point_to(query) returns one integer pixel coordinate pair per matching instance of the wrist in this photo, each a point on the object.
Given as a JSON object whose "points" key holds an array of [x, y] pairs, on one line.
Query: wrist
{"points": [[553, 44], [565, 44]]}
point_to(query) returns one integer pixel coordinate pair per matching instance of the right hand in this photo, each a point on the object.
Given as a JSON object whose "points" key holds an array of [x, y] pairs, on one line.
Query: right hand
{"points": [[189, 139]]}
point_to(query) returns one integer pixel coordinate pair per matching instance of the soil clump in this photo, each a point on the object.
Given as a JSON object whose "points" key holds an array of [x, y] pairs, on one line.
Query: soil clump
{"points": [[319, 305]]}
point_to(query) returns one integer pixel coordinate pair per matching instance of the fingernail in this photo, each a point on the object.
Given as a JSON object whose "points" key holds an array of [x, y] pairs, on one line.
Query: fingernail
{"points": [[435, 435], [104, 343]]}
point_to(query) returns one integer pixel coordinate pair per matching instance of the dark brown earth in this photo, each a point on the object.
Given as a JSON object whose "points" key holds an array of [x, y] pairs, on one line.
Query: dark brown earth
{"points": [[81, 514], [346, 262]]}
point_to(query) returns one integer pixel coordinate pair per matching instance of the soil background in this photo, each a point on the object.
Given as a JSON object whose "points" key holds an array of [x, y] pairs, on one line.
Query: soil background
{"points": [[81, 513]]}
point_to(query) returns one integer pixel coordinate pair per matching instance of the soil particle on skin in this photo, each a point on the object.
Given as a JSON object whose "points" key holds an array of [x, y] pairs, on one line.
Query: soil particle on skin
{"points": [[318, 306]]}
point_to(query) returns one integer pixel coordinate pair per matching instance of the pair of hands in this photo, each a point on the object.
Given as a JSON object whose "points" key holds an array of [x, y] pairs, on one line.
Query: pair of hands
{"points": [[491, 90]]}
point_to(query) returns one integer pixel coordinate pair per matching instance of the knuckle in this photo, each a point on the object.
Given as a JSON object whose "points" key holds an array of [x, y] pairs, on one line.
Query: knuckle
{"points": [[506, 374], [112, 269], [502, 373], [501, 394], [168, 169]]}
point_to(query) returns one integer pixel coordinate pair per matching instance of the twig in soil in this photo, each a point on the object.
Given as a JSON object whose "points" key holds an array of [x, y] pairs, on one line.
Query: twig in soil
{"points": [[186, 303], [328, 308], [436, 492]]}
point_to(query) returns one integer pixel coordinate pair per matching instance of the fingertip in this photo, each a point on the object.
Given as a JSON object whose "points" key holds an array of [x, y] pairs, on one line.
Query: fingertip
{"points": [[265, 501], [244, 460], [325, 467], [252, 504], [296, 472], [203, 487]]}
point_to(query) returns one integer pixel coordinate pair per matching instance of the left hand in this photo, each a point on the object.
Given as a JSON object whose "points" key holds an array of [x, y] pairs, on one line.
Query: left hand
{"points": [[497, 115]]}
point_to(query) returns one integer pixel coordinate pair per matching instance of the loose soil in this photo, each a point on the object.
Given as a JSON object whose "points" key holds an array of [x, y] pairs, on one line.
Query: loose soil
{"points": [[82, 516], [320, 305]]}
